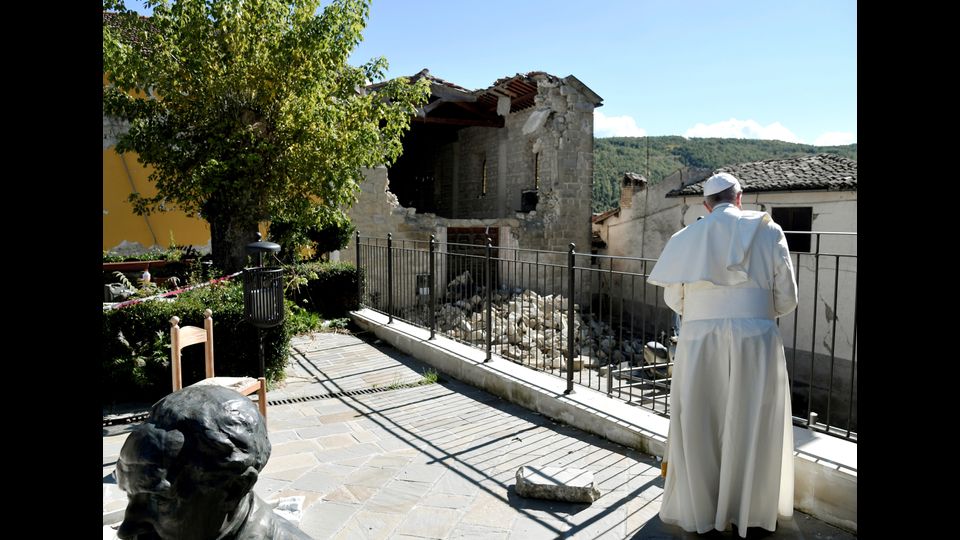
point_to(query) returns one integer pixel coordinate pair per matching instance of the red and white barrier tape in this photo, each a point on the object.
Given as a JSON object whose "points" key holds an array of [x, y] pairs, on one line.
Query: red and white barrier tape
{"points": [[170, 293]]}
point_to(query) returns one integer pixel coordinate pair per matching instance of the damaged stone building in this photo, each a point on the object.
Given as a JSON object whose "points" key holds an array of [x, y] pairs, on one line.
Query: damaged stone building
{"points": [[512, 162]]}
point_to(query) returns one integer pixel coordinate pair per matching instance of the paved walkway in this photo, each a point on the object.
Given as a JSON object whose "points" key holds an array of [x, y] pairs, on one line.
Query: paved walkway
{"points": [[374, 458]]}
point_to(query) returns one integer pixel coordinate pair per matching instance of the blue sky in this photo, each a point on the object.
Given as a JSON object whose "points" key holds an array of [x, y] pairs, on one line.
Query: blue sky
{"points": [[765, 69]]}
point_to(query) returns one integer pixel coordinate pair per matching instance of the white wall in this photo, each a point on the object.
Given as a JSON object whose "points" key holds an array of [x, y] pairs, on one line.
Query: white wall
{"points": [[822, 323], [832, 212], [643, 228]]}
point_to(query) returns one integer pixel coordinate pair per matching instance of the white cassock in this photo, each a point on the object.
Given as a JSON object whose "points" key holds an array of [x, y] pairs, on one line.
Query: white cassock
{"points": [[730, 445]]}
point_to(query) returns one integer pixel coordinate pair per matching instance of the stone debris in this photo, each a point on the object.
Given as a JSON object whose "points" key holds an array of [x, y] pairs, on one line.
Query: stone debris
{"points": [[557, 484], [290, 508], [531, 329]]}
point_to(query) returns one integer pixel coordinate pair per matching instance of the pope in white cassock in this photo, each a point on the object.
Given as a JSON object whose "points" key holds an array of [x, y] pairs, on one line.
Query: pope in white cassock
{"points": [[730, 445]]}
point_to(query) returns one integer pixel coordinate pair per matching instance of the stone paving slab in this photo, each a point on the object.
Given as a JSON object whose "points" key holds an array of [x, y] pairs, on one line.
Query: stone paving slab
{"points": [[437, 461]]}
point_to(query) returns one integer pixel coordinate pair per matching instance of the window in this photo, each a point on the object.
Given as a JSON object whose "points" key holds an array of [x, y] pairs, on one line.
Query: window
{"points": [[796, 218], [536, 171], [483, 185]]}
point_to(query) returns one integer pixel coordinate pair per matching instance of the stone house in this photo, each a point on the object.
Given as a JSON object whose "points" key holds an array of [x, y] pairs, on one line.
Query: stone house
{"points": [[810, 193], [513, 162], [645, 219]]}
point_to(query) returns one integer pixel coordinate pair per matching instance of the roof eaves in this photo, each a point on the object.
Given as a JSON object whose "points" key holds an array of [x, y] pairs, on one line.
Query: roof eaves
{"points": [[600, 218], [592, 96]]}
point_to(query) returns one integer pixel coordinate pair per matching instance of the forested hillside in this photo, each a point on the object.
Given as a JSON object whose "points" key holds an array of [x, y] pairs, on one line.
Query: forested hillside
{"points": [[614, 156]]}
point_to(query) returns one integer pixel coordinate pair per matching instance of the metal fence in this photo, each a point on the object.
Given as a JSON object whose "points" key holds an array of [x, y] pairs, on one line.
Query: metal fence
{"points": [[820, 336], [541, 308]]}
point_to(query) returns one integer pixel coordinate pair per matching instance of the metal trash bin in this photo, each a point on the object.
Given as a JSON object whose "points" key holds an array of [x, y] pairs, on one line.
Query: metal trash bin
{"points": [[263, 294]]}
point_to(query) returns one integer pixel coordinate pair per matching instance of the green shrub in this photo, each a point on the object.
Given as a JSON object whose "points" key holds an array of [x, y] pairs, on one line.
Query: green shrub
{"points": [[337, 325], [173, 253], [330, 288], [303, 321], [136, 343]]}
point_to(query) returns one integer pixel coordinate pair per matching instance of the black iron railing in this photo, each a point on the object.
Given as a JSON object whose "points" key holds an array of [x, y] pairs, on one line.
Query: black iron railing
{"points": [[594, 321], [820, 336]]}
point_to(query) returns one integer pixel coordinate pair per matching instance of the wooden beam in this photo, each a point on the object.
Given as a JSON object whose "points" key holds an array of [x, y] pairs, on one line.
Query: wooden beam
{"points": [[483, 110], [450, 94], [430, 107]]}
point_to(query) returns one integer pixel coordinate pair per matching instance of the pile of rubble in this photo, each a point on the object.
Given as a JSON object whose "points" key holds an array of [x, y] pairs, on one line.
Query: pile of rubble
{"points": [[532, 329]]}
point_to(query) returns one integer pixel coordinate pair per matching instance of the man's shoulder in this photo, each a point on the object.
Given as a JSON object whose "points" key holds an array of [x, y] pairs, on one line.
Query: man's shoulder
{"points": [[771, 232], [771, 224], [689, 229], [766, 221]]}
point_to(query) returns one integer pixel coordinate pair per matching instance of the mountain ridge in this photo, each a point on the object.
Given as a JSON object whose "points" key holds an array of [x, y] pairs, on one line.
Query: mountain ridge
{"points": [[614, 156]]}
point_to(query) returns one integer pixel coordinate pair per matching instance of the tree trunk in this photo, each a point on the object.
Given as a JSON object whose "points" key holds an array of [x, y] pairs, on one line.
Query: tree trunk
{"points": [[229, 236]]}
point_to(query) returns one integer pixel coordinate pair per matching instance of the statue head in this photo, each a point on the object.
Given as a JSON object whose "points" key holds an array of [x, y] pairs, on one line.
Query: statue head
{"points": [[188, 470]]}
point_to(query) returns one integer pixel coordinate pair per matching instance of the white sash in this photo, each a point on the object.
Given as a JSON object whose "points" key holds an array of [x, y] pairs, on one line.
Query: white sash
{"points": [[732, 303]]}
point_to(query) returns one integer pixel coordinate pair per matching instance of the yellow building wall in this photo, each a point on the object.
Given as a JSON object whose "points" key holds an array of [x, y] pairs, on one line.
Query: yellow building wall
{"points": [[123, 175]]}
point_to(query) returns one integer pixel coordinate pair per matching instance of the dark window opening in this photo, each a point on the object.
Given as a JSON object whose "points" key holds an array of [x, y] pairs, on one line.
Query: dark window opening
{"points": [[416, 177], [528, 200], [536, 171], [483, 185], [797, 218]]}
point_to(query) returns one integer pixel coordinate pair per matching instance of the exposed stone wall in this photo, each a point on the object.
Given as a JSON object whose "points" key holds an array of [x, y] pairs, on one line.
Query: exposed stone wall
{"points": [[565, 143], [377, 212], [510, 169], [113, 128], [554, 138], [478, 149], [559, 128]]}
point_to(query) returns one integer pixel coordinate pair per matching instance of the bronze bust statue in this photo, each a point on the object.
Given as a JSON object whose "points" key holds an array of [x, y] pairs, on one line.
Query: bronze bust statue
{"points": [[189, 471]]}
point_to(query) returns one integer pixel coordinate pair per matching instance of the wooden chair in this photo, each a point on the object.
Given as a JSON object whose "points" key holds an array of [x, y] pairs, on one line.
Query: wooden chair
{"points": [[191, 335]]}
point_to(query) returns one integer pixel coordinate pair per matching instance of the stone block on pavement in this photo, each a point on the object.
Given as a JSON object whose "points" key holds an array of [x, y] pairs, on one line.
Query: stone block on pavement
{"points": [[557, 483]]}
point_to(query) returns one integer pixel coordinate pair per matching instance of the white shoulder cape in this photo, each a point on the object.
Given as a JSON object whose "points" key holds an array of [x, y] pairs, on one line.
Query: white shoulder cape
{"points": [[715, 249]]}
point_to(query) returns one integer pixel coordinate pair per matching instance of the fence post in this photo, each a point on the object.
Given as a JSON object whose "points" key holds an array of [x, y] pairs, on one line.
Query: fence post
{"points": [[570, 328], [360, 276], [813, 329], [389, 278], [489, 309], [610, 367], [853, 352], [433, 280]]}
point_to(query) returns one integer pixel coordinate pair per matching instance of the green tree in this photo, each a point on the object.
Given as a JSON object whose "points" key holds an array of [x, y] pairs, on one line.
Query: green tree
{"points": [[248, 110], [322, 235]]}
